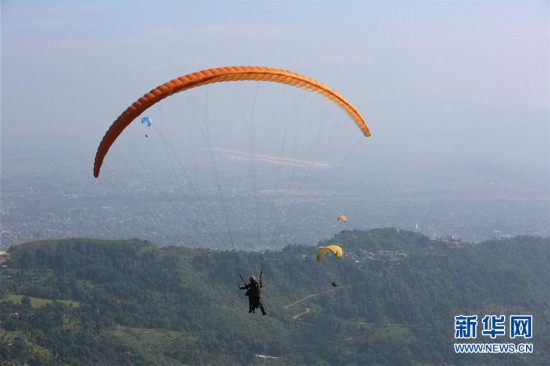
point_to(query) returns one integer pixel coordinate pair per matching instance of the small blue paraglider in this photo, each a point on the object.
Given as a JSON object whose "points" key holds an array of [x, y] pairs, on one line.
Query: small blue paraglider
{"points": [[146, 120]]}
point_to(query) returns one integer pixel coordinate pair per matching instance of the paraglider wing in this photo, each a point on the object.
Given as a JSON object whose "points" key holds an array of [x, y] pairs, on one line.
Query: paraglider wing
{"points": [[332, 248], [146, 120], [233, 73], [342, 218]]}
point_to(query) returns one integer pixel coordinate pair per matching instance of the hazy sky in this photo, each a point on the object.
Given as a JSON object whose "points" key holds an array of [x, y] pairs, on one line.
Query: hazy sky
{"points": [[463, 76]]}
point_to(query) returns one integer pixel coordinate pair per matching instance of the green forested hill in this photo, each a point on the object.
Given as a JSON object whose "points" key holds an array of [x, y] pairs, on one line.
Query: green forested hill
{"points": [[84, 301]]}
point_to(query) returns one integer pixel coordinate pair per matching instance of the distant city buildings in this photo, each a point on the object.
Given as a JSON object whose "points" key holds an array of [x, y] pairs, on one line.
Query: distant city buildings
{"points": [[43, 200]]}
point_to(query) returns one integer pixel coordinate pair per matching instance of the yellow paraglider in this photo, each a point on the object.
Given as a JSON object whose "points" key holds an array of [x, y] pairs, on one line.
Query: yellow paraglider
{"points": [[342, 218], [222, 74], [332, 248]]}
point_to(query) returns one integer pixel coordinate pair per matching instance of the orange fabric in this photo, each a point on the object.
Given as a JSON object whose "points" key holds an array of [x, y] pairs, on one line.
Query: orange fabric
{"points": [[220, 74]]}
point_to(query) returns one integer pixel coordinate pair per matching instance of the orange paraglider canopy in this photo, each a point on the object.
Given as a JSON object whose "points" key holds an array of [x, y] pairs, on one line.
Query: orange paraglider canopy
{"points": [[232, 73], [342, 218]]}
